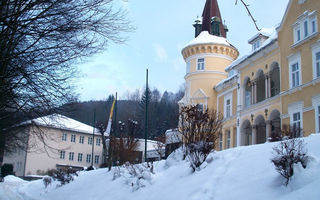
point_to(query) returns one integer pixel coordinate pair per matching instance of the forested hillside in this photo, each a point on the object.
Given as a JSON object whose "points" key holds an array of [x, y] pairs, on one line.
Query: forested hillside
{"points": [[163, 111]]}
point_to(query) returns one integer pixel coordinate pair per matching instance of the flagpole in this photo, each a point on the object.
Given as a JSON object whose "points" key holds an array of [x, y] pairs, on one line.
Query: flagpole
{"points": [[146, 120], [94, 122]]}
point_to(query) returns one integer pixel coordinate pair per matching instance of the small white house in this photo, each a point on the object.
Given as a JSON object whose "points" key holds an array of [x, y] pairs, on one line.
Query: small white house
{"points": [[68, 143]]}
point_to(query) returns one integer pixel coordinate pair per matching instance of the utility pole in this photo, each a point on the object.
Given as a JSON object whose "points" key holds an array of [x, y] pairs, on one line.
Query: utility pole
{"points": [[94, 124], [115, 115], [146, 120]]}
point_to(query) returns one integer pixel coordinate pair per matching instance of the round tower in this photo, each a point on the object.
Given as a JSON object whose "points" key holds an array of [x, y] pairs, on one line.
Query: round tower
{"points": [[206, 58]]}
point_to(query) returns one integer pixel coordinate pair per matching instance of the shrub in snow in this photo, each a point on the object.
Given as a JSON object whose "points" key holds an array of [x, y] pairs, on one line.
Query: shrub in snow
{"points": [[200, 130], [64, 176], [47, 180], [136, 176], [288, 153]]}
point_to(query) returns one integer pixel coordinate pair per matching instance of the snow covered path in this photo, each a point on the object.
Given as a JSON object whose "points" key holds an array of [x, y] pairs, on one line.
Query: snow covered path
{"points": [[243, 173]]}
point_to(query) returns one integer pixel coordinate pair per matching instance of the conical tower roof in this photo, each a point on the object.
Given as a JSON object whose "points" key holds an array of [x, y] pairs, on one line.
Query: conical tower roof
{"points": [[211, 9]]}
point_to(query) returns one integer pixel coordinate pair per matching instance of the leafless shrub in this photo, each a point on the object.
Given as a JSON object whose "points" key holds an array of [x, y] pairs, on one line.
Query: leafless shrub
{"points": [[286, 132], [200, 130], [287, 154]]}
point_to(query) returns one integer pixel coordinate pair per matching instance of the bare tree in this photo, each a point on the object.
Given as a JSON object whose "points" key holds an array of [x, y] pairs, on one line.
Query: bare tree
{"points": [[200, 130], [40, 42]]}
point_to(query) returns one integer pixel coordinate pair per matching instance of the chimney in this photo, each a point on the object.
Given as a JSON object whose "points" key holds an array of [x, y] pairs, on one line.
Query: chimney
{"points": [[198, 26], [215, 26]]}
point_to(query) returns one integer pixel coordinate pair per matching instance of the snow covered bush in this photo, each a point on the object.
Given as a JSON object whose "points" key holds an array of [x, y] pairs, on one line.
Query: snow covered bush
{"points": [[287, 154], [284, 133], [64, 176], [136, 176], [200, 130]]}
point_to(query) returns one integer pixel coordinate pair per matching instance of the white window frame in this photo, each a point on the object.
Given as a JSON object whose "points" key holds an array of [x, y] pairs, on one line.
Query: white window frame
{"points": [[226, 98], [315, 50], [98, 141], [296, 107], [315, 20], [201, 65], [90, 140], [81, 139], [80, 155], [188, 67], [96, 159], [297, 33], [62, 155], [306, 26], [228, 133], [64, 136], [295, 59], [256, 44], [71, 156], [88, 158], [316, 105], [73, 138]]}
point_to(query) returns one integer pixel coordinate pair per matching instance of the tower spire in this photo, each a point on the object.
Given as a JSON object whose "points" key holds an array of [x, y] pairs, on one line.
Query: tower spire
{"points": [[211, 10]]}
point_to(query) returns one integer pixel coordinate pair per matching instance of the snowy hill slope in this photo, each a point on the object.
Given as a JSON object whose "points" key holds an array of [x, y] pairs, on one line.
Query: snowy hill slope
{"points": [[239, 173]]}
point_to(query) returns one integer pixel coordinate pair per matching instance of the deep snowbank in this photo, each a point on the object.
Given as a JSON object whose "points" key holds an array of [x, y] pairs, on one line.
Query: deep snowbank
{"points": [[239, 173]]}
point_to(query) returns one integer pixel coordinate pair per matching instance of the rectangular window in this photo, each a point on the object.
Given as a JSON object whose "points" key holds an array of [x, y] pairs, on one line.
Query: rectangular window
{"points": [[318, 64], [73, 138], [96, 159], [305, 26], [71, 155], [296, 122], [98, 141], [62, 154], [64, 137], [228, 108], [90, 139], [200, 64], [313, 25], [220, 142], [188, 67], [81, 139], [88, 159], [295, 74], [297, 34], [228, 139], [80, 157]]}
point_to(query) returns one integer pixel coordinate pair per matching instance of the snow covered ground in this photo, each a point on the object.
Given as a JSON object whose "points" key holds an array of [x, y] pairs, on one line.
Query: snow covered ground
{"points": [[234, 174]]}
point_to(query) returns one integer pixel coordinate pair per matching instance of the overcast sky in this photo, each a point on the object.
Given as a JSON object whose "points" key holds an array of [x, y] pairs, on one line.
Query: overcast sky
{"points": [[164, 27]]}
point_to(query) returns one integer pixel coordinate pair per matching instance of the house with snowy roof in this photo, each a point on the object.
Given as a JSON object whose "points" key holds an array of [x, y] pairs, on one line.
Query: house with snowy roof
{"points": [[56, 141], [276, 84]]}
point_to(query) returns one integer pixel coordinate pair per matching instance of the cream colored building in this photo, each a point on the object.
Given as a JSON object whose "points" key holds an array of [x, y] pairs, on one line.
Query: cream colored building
{"points": [[68, 143], [276, 84]]}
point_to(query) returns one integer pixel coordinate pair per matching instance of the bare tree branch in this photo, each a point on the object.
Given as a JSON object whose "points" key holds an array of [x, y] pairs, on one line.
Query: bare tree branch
{"points": [[249, 13]]}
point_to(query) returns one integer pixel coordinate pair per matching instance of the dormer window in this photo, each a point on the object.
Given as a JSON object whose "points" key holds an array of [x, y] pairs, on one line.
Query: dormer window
{"points": [[256, 45]]}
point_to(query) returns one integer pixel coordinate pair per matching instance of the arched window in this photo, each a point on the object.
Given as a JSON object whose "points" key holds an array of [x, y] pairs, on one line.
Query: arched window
{"points": [[261, 86], [247, 93], [275, 79]]}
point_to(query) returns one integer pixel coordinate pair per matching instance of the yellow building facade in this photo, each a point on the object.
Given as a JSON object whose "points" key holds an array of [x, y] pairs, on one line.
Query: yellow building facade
{"points": [[276, 84]]}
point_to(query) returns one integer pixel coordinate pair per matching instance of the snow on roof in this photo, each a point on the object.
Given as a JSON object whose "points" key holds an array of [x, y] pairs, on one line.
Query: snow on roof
{"points": [[273, 36], [264, 31], [206, 38], [173, 136], [226, 80], [151, 145], [62, 122]]}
